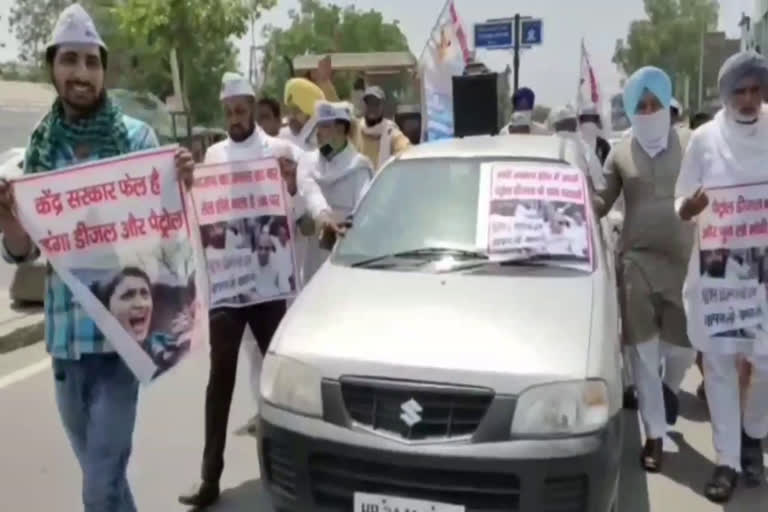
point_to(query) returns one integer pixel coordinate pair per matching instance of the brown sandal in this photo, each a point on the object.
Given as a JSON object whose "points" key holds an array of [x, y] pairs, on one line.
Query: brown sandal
{"points": [[650, 458]]}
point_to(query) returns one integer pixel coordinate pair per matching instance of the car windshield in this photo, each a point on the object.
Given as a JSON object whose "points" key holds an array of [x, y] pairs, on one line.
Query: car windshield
{"points": [[428, 216]]}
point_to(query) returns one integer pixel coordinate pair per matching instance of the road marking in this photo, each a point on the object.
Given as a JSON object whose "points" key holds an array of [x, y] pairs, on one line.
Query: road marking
{"points": [[24, 373]]}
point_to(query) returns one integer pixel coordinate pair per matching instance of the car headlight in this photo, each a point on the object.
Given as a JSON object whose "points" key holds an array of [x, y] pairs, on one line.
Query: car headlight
{"points": [[562, 408], [292, 385]]}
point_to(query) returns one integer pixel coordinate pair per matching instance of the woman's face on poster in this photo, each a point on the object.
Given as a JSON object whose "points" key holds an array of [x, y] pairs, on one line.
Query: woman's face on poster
{"points": [[131, 304]]}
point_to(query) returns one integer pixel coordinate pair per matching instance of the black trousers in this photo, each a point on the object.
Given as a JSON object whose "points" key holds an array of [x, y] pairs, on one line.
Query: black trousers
{"points": [[227, 327]]}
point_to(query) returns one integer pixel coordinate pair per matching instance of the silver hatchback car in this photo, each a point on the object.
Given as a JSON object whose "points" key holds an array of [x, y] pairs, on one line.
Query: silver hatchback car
{"points": [[417, 373]]}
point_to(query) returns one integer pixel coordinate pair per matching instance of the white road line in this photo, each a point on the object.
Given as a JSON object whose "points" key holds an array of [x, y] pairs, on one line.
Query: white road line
{"points": [[24, 373]]}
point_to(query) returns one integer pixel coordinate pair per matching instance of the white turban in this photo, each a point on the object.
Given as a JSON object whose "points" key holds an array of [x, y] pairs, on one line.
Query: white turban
{"points": [[738, 67]]}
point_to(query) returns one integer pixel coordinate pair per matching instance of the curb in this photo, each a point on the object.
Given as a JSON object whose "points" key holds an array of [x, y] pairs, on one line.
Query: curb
{"points": [[20, 328]]}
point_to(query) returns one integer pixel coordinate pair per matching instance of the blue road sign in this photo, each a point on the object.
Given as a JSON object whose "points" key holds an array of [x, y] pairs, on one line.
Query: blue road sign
{"points": [[530, 32], [494, 35]]}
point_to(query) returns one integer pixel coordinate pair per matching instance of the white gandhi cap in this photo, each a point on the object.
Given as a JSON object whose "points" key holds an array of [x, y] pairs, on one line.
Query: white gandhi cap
{"points": [[326, 111], [75, 26], [234, 84]]}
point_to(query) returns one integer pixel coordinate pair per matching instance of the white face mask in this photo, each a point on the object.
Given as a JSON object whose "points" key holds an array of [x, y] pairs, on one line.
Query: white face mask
{"points": [[652, 131], [526, 115]]}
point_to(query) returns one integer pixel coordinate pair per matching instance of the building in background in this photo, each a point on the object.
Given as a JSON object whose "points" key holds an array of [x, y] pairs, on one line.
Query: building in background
{"points": [[756, 34], [716, 48]]}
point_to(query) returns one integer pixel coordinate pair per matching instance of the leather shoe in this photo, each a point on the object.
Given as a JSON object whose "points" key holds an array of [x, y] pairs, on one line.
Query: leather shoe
{"points": [[202, 495]]}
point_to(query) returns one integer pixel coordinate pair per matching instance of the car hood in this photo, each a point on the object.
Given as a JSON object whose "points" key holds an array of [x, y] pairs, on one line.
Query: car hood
{"points": [[502, 332]]}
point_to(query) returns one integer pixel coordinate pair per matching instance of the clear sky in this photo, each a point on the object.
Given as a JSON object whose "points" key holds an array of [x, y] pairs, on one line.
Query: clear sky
{"points": [[552, 69]]}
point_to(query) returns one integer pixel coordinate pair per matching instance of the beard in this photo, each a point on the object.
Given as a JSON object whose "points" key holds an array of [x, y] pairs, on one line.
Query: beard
{"points": [[239, 133], [370, 122], [79, 104]]}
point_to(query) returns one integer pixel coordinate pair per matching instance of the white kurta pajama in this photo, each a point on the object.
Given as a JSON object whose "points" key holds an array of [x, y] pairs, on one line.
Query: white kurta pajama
{"points": [[258, 146], [334, 186], [724, 154]]}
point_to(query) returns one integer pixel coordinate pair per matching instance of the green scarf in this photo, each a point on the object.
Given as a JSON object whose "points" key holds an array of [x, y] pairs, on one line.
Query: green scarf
{"points": [[103, 132]]}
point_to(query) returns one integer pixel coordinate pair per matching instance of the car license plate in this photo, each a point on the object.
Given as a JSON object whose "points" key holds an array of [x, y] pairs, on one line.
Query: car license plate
{"points": [[377, 503]]}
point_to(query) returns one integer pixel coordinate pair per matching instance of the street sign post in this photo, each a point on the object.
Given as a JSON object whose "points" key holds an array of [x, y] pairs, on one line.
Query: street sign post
{"points": [[520, 32], [531, 31], [494, 35]]}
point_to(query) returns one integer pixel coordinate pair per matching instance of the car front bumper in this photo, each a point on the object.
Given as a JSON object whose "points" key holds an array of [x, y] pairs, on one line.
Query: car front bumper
{"points": [[311, 465]]}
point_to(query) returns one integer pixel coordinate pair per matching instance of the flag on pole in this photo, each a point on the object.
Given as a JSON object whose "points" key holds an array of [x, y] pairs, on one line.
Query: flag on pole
{"points": [[590, 92], [446, 55]]}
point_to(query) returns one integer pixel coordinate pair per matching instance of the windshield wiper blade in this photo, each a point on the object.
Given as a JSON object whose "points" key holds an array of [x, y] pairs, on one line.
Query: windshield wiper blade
{"points": [[425, 253], [535, 260]]}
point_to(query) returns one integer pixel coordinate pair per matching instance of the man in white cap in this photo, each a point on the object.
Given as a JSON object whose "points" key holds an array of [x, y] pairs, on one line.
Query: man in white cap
{"points": [[378, 138], [332, 179], [573, 148], [95, 391], [591, 129], [246, 141]]}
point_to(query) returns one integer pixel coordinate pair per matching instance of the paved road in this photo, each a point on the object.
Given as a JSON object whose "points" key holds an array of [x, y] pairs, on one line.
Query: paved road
{"points": [[16, 124], [38, 471]]}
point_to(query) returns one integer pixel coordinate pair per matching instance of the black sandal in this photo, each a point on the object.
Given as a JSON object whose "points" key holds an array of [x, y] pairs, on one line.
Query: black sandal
{"points": [[650, 458], [720, 488], [752, 468]]}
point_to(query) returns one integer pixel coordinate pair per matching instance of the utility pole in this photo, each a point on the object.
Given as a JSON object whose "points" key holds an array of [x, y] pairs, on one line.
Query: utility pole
{"points": [[252, 56], [517, 54], [701, 71]]}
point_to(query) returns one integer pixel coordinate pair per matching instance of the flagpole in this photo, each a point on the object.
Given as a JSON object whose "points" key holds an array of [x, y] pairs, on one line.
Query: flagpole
{"points": [[437, 24]]}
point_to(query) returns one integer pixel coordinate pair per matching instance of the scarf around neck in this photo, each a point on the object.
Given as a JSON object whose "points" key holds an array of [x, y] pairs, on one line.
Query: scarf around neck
{"points": [[103, 132]]}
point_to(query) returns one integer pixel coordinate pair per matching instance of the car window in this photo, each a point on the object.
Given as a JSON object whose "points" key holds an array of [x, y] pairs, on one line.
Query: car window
{"points": [[414, 204], [417, 210]]}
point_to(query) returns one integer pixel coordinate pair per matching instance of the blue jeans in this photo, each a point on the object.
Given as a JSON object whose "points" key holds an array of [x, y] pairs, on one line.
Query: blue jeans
{"points": [[97, 398]]}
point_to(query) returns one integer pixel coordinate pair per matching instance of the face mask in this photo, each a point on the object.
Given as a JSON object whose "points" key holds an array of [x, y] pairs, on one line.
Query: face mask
{"points": [[652, 131], [326, 150], [526, 115]]}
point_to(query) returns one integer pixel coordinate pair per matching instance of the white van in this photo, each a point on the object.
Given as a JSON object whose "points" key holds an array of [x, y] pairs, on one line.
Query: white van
{"points": [[416, 373]]}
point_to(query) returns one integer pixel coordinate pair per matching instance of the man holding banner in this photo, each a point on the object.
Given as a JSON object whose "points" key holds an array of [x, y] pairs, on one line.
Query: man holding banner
{"points": [[722, 188], [96, 391], [259, 303]]}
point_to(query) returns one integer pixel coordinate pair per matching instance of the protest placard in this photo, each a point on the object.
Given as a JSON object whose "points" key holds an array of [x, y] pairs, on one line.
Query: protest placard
{"points": [[246, 232], [117, 233], [528, 209], [729, 298]]}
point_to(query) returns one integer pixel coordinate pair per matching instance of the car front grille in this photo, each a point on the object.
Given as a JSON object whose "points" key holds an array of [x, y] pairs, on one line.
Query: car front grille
{"points": [[440, 412], [565, 495], [280, 470], [335, 479]]}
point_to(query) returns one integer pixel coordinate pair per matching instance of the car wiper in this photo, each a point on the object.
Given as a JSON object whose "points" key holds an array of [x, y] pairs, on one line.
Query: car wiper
{"points": [[535, 260], [425, 253]]}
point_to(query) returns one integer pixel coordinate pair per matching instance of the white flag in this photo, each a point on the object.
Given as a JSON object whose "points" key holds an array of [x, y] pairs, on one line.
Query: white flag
{"points": [[445, 56]]}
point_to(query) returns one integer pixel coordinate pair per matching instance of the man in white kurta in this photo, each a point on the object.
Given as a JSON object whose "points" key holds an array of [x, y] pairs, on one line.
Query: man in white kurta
{"points": [[332, 179], [731, 150], [246, 141]]}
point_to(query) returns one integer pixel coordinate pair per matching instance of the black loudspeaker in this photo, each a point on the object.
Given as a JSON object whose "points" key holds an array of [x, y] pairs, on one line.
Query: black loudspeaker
{"points": [[476, 105]]}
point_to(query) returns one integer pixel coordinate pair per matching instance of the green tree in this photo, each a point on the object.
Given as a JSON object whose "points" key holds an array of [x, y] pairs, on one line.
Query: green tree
{"points": [[318, 28], [669, 38], [201, 32]]}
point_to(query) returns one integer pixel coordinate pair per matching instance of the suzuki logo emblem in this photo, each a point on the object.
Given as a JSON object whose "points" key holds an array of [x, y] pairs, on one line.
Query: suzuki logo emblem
{"points": [[411, 412]]}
